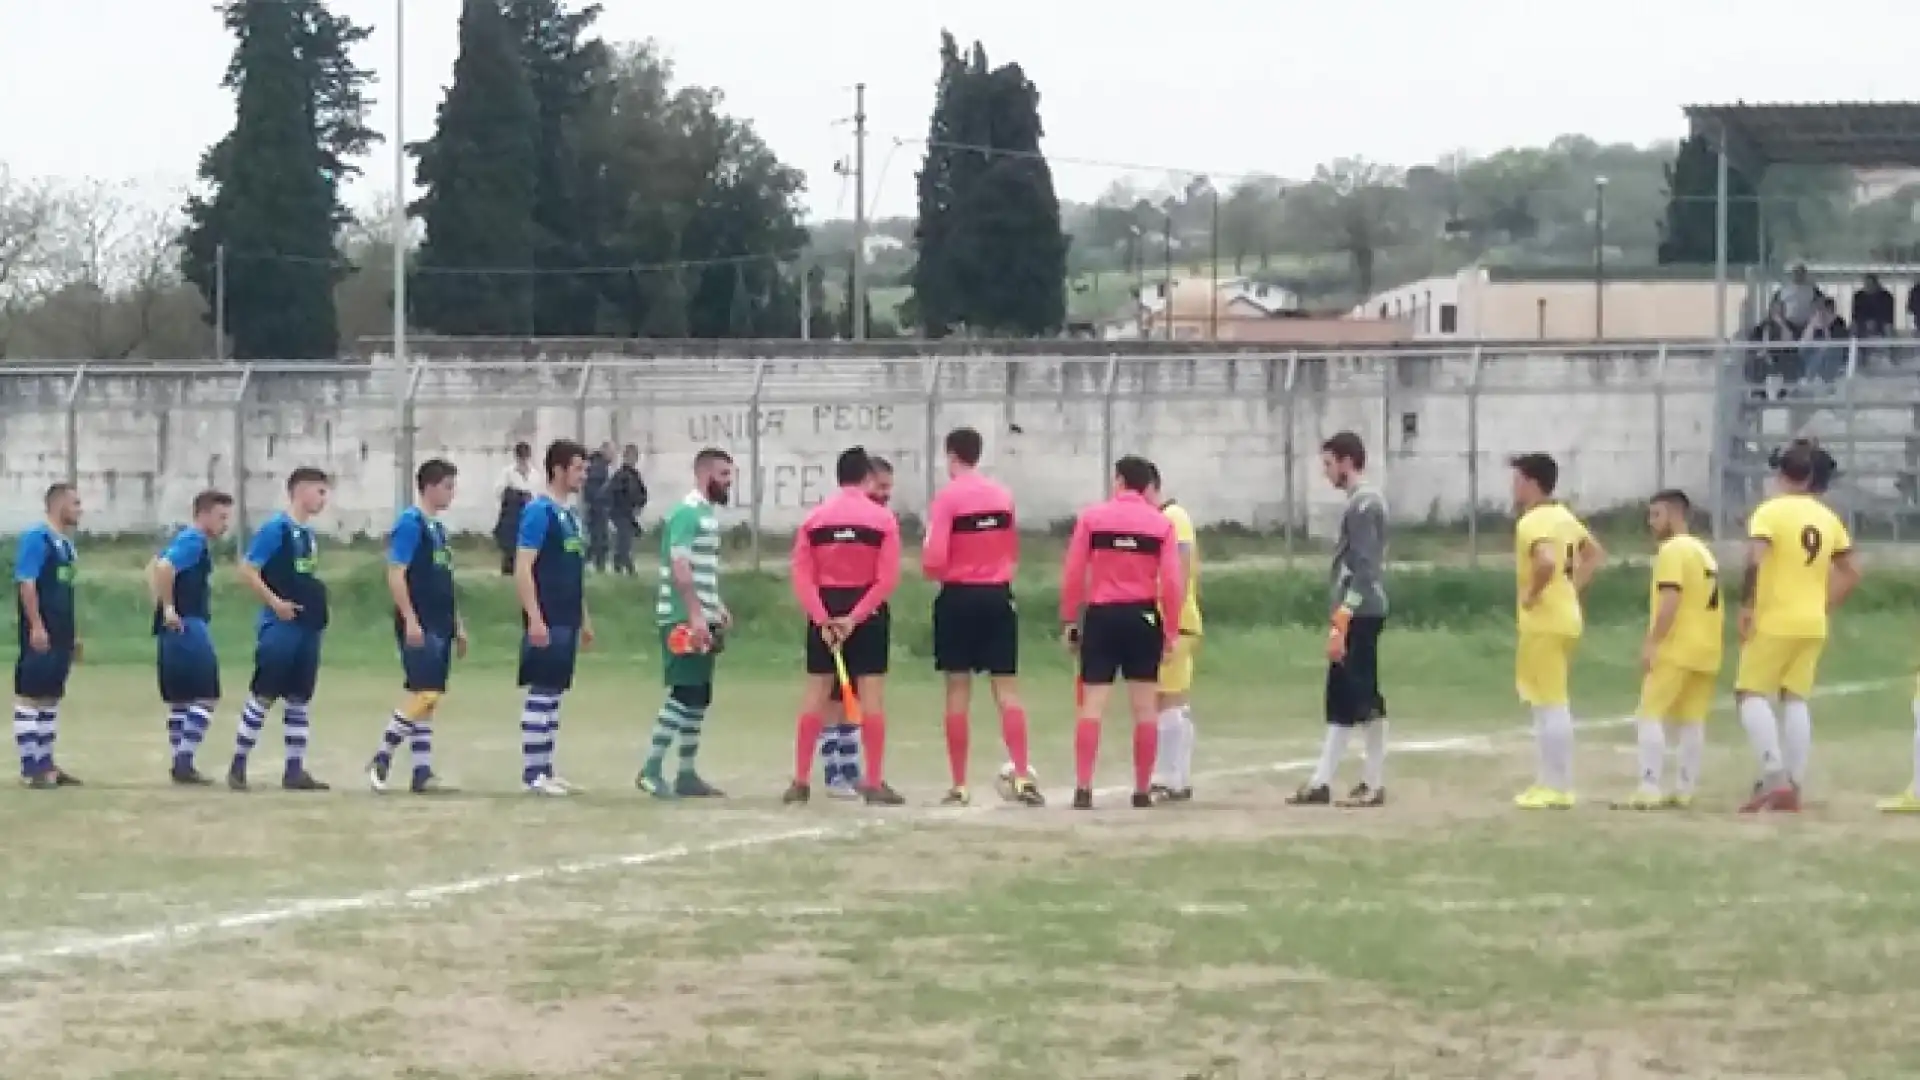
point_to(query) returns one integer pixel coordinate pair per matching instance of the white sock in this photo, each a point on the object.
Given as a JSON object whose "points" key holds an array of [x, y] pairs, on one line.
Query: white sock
{"points": [[1756, 715], [1916, 746], [1185, 765], [1166, 764], [1558, 733], [1653, 753], [1796, 738], [1693, 751], [1375, 775], [1331, 753]]}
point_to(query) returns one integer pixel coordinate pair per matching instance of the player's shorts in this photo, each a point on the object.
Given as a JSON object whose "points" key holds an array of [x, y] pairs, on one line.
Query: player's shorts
{"points": [[1675, 695], [1541, 666], [427, 666], [1353, 685], [286, 662], [1125, 641], [1176, 670], [550, 666], [1771, 666], [42, 676], [692, 669], [976, 630], [189, 669], [865, 652]]}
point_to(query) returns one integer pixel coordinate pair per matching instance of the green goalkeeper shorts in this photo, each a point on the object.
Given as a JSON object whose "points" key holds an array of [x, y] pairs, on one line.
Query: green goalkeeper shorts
{"points": [[690, 669]]}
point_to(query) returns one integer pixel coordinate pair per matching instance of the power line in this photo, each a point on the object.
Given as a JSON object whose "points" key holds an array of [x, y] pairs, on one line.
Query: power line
{"points": [[344, 263]]}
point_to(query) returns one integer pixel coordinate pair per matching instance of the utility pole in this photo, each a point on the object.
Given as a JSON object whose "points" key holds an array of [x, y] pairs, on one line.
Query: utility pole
{"points": [[403, 415], [1599, 258], [859, 298]]}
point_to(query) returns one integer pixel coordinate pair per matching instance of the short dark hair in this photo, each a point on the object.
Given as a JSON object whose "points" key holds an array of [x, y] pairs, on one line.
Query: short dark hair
{"points": [[631, 448], [853, 466], [1798, 461], [1346, 446], [1135, 472], [522, 450], [1539, 468], [1675, 498], [562, 453], [306, 474], [1153, 474], [209, 499], [880, 464], [707, 456], [434, 471], [966, 445], [54, 491]]}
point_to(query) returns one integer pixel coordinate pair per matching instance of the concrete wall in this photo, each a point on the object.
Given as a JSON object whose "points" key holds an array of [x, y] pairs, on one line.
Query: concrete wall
{"points": [[1234, 445]]}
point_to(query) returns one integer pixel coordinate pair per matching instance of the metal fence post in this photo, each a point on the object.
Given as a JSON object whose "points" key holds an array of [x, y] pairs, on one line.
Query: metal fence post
{"points": [[1288, 422], [929, 448], [580, 402], [408, 443], [1109, 384], [1853, 447], [1475, 361], [73, 425], [1660, 419], [756, 472], [241, 525]]}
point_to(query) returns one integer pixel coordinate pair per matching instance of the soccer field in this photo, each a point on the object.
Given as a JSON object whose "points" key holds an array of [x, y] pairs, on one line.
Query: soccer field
{"points": [[169, 934]]}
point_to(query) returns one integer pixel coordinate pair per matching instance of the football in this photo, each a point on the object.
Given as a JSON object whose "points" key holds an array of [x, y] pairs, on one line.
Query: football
{"points": [[1004, 782]]}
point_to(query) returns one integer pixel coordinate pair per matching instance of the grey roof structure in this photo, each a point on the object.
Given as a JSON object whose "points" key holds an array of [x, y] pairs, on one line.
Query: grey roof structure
{"points": [[1860, 134]]}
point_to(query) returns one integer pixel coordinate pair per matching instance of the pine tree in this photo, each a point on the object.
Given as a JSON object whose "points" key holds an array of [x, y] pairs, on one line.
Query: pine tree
{"points": [[273, 203], [936, 301], [1693, 186], [478, 172], [1015, 254]]}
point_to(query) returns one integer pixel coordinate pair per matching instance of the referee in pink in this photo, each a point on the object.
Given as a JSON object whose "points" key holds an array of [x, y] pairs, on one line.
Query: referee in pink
{"points": [[972, 550], [1123, 563]]}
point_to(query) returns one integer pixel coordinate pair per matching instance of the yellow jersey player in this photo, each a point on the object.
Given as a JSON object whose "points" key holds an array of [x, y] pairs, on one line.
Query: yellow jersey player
{"points": [[1554, 559], [1173, 766], [1799, 567], [1680, 659]]}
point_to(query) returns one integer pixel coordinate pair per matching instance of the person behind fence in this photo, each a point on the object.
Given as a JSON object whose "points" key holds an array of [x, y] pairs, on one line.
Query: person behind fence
{"points": [[512, 492], [1798, 299], [1777, 351], [1825, 342], [628, 499], [1873, 309], [597, 498]]}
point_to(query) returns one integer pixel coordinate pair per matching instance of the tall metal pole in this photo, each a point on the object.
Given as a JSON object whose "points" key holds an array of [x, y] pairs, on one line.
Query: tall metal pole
{"points": [[858, 300], [404, 437], [1213, 260], [220, 302], [1599, 258]]}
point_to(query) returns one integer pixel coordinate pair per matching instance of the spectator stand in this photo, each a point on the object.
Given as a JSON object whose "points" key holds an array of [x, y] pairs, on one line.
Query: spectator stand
{"points": [[1867, 416]]}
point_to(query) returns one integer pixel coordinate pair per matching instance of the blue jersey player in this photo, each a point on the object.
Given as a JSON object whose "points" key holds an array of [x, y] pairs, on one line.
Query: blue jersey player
{"points": [[549, 575], [280, 568], [181, 581], [43, 572], [426, 624]]}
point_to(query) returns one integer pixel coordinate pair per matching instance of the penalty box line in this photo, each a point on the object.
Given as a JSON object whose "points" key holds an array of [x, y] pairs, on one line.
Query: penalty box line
{"points": [[173, 935]]}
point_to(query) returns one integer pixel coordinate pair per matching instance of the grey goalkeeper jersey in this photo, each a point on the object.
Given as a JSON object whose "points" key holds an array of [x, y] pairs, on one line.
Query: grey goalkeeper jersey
{"points": [[1360, 557]]}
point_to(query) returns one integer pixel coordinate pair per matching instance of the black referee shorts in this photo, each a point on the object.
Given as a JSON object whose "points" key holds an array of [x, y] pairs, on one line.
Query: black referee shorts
{"points": [[1124, 641], [1353, 684], [865, 652], [975, 630]]}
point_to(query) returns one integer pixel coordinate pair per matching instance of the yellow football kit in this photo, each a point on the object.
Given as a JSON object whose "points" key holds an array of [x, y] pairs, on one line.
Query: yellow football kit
{"points": [[1790, 608], [1550, 629], [1678, 688], [1176, 671]]}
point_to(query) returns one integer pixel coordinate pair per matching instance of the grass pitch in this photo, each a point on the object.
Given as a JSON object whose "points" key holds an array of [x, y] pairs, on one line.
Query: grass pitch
{"points": [[161, 934]]}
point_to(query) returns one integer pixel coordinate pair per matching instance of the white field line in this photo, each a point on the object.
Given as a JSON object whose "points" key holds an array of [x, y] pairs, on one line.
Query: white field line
{"points": [[172, 935]]}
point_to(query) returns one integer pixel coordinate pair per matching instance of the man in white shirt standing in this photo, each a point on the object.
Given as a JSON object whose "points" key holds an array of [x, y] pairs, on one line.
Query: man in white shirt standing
{"points": [[512, 491]]}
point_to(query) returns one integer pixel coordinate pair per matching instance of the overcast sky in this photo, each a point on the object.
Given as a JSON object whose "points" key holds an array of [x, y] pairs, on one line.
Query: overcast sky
{"points": [[129, 89]]}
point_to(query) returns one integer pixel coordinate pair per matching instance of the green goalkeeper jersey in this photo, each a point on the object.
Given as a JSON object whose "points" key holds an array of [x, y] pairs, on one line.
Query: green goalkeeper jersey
{"points": [[691, 532]]}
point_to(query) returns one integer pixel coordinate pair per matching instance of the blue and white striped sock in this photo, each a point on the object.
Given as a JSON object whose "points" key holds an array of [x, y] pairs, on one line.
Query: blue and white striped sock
{"points": [[850, 754], [397, 730], [49, 732], [253, 717], [421, 746], [176, 723], [26, 738], [536, 734], [193, 729], [297, 724]]}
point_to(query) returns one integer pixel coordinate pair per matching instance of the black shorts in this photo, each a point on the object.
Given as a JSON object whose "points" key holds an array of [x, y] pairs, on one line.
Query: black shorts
{"points": [[1123, 641], [976, 630], [1353, 685], [865, 653]]}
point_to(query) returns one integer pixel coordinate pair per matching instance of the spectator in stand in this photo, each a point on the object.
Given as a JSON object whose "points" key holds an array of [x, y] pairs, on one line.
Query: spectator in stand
{"points": [[512, 492], [1799, 297], [1873, 309], [1824, 341], [1780, 358], [1913, 308], [598, 500], [627, 497]]}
